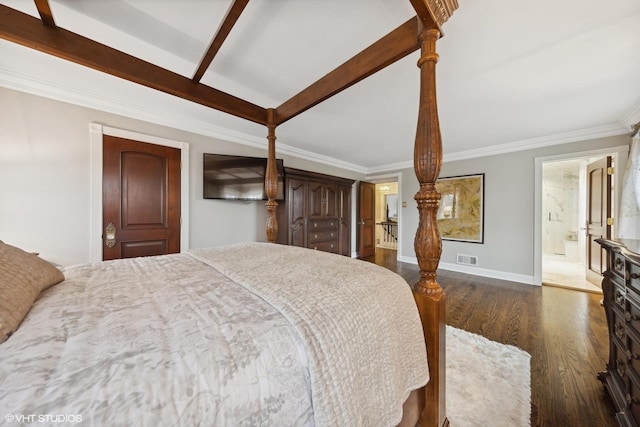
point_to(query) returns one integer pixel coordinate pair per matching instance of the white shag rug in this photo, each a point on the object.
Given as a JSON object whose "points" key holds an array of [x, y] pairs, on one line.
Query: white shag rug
{"points": [[488, 383]]}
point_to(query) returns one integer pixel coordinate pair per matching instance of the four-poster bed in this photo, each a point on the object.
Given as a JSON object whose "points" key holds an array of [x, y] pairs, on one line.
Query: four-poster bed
{"points": [[421, 32]]}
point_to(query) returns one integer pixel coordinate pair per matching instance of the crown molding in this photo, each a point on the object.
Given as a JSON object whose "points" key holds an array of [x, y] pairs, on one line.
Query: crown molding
{"points": [[540, 142], [631, 118], [48, 89], [613, 129], [64, 93]]}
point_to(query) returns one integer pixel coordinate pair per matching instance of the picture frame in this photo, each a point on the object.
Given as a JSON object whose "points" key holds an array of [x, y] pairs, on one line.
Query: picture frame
{"points": [[460, 215], [391, 201]]}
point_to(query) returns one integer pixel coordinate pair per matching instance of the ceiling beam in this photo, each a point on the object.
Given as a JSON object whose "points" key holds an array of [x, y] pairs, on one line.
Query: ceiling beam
{"points": [[45, 13], [28, 31], [396, 45], [234, 12]]}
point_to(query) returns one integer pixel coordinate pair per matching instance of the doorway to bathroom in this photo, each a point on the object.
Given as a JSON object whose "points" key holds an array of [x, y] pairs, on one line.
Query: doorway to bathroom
{"points": [[577, 205], [566, 223], [563, 224]]}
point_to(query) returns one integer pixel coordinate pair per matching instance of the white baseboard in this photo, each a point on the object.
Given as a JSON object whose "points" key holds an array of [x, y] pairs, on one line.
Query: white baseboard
{"points": [[494, 274]]}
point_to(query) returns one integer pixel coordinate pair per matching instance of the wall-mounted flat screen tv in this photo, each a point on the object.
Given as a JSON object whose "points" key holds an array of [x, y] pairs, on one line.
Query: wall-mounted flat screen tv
{"points": [[238, 177]]}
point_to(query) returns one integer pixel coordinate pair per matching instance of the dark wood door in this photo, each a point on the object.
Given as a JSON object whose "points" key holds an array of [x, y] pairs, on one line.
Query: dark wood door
{"points": [[331, 204], [141, 199], [366, 219], [297, 205], [344, 208], [598, 217], [316, 199]]}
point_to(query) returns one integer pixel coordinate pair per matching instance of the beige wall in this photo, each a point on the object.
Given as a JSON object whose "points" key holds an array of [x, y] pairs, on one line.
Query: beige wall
{"points": [[509, 216], [45, 188]]}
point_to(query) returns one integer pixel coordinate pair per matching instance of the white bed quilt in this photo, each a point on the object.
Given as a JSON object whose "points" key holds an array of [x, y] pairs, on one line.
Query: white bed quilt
{"points": [[358, 321], [158, 341], [244, 335]]}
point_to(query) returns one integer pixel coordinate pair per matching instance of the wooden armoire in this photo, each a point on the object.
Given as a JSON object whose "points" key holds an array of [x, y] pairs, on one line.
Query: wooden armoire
{"points": [[316, 212]]}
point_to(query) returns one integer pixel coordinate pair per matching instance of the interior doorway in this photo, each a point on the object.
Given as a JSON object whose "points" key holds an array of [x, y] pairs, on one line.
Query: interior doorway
{"points": [[97, 133], [387, 217], [564, 201], [577, 205]]}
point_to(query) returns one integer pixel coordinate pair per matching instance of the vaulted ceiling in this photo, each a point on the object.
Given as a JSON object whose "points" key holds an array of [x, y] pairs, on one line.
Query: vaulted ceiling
{"points": [[512, 74]]}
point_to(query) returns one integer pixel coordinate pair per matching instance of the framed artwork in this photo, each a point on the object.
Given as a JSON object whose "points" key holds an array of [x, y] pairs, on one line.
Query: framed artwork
{"points": [[461, 212], [392, 207]]}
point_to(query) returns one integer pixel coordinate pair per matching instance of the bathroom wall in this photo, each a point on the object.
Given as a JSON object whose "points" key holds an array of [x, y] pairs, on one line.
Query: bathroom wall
{"points": [[560, 207]]}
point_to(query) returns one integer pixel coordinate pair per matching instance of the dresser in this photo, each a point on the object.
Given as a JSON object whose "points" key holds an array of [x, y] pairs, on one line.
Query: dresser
{"points": [[316, 212], [621, 291]]}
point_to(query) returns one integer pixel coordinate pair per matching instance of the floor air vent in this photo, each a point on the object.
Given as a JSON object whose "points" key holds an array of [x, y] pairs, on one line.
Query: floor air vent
{"points": [[467, 260]]}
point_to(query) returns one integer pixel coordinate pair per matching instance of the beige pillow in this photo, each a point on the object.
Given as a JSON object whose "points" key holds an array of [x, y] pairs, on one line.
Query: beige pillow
{"points": [[23, 276]]}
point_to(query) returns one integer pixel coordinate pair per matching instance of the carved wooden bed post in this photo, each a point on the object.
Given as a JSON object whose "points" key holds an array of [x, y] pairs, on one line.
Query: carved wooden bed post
{"points": [[428, 294], [271, 178]]}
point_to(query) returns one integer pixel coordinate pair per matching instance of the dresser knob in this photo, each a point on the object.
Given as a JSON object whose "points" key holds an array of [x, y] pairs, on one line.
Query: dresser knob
{"points": [[619, 330], [619, 297], [621, 367], [631, 356], [631, 400], [629, 317]]}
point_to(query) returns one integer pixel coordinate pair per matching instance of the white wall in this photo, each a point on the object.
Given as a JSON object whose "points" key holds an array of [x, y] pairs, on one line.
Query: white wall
{"points": [[45, 193], [508, 249]]}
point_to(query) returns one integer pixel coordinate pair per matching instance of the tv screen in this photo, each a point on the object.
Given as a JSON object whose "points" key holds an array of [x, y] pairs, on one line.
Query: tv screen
{"points": [[238, 177]]}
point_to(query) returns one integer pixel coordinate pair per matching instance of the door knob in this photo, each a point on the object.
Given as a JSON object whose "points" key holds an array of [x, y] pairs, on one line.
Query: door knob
{"points": [[110, 235]]}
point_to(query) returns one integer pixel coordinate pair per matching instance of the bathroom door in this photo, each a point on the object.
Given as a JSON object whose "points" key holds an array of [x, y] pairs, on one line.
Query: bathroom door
{"points": [[598, 223]]}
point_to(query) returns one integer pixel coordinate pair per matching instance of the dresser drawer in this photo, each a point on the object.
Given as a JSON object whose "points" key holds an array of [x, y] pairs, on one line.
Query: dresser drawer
{"points": [[619, 296], [632, 315], [617, 264], [632, 276], [325, 246], [322, 236], [632, 354], [619, 332], [620, 362], [633, 398], [323, 225]]}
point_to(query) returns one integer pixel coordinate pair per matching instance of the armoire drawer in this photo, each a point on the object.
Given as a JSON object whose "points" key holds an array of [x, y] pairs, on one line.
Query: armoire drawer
{"points": [[325, 246], [322, 225], [322, 236]]}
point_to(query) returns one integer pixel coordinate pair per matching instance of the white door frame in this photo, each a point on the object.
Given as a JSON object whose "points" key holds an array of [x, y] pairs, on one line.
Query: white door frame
{"points": [[95, 223], [620, 155]]}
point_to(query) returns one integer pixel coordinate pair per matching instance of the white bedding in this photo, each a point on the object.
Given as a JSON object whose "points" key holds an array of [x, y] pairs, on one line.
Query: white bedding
{"points": [[169, 340]]}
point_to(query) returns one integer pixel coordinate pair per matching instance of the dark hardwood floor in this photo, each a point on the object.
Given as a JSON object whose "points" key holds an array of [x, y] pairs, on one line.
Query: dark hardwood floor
{"points": [[565, 332]]}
